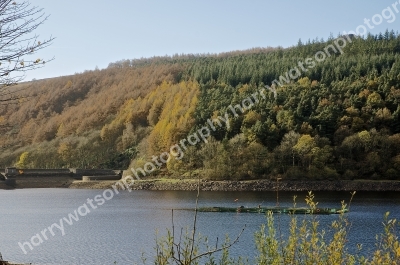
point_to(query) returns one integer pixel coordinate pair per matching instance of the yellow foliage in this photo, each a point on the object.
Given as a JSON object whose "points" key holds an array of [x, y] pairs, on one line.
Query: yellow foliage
{"points": [[383, 114], [304, 144], [374, 99], [245, 89], [314, 83], [65, 150], [364, 94], [305, 82], [23, 160], [61, 130], [365, 136], [175, 119], [372, 84], [352, 111], [324, 102], [251, 118], [169, 108], [68, 84]]}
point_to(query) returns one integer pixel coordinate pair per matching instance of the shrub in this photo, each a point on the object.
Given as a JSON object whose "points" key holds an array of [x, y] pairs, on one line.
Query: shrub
{"points": [[294, 173], [305, 243], [392, 173], [349, 174], [330, 173]]}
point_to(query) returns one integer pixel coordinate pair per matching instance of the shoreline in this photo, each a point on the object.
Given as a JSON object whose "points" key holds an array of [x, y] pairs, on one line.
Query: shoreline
{"points": [[248, 185], [165, 184], [208, 185]]}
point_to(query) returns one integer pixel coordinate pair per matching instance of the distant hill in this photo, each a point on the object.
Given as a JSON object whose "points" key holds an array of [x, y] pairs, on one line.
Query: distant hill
{"points": [[325, 114]]}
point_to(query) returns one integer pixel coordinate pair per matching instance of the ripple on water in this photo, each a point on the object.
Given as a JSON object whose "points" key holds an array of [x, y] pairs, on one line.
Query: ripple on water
{"points": [[124, 227]]}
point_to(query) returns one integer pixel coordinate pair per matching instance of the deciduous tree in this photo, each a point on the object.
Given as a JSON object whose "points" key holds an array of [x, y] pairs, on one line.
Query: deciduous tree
{"points": [[19, 44]]}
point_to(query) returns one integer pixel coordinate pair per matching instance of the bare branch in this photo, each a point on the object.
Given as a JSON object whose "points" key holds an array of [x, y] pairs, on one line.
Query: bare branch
{"points": [[18, 44], [195, 218], [221, 248]]}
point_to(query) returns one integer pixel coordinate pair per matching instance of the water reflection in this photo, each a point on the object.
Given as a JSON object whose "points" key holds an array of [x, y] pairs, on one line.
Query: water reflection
{"points": [[124, 227]]}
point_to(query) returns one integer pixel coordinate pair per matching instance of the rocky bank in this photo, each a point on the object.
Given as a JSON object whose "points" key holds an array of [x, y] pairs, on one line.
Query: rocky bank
{"points": [[251, 185]]}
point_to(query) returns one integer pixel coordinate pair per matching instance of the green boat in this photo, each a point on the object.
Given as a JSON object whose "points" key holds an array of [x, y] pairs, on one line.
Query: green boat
{"points": [[281, 210]]}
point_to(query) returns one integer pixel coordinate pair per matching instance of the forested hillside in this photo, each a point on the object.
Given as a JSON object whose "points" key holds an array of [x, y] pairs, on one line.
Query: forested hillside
{"points": [[339, 119]]}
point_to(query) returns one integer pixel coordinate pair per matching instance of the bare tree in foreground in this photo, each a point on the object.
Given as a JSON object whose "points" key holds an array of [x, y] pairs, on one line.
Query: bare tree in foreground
{"points": [[185, 249], [19, 44]]}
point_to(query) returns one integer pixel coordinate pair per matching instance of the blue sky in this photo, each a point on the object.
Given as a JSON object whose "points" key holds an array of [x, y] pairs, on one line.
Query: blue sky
{"points": [[93, 33]]}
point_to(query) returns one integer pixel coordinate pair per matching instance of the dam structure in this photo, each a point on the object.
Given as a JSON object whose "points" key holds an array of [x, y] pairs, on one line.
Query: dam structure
{"points": [[12, 177]]}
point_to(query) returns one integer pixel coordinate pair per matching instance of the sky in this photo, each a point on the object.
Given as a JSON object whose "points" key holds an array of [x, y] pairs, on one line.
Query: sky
{"points": [[94, 33]]}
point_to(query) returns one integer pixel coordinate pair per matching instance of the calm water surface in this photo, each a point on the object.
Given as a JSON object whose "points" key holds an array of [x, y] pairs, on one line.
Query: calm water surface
{"points": [[124, 228]]}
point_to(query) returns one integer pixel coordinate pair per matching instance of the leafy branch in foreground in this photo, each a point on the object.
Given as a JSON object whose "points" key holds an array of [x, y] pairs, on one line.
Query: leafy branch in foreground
{"points": [[306, 243]]}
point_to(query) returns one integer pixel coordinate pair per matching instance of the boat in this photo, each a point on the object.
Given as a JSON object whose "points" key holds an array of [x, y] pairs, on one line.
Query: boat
{"points": [[277, 209]]}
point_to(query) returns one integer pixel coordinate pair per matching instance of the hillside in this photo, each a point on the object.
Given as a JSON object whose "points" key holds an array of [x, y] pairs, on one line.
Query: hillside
{"points": [[338, 119]]}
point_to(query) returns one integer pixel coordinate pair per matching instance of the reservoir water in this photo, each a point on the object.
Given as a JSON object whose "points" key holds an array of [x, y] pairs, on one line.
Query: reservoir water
{"points": [[124, 228]]}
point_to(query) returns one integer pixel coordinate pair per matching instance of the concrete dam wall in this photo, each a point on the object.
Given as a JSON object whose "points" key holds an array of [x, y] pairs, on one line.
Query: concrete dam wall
{"points": [[54, 178]]}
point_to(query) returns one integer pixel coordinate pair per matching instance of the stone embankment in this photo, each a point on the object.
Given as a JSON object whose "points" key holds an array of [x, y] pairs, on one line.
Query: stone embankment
{"points": [[252, 185]]}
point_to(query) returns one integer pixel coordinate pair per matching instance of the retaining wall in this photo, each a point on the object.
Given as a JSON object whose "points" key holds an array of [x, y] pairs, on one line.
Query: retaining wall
{"points": [[104, 177], [44, 172], [94, 172], [43, 182]]}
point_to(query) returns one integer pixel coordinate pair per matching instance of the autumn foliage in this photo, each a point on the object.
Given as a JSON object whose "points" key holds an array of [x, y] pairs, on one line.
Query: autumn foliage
{"points": [[339, 120]]}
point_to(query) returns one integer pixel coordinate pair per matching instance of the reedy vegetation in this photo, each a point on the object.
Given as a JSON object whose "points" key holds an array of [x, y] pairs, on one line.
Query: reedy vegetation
{"points": [[305, 243]]}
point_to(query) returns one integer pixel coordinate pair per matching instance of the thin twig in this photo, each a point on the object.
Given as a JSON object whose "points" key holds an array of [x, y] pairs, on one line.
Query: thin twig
{"points": [[195, 218], [221, 248], [173, 233]]}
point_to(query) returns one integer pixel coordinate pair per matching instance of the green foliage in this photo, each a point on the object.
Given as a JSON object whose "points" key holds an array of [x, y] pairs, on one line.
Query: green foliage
{"points": [[234, 159], [350, 101], [306, 242]]}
